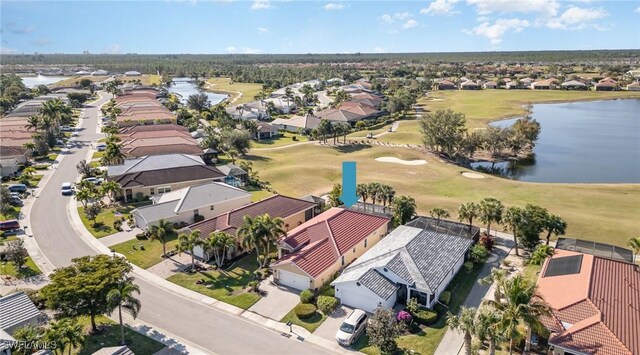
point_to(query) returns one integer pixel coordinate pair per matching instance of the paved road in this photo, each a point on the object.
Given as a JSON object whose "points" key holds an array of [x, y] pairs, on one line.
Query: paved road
{"points": [[199, 324]]}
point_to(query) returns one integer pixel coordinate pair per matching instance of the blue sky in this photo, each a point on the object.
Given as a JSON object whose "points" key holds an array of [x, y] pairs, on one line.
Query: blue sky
{"points": [[198, 26]]}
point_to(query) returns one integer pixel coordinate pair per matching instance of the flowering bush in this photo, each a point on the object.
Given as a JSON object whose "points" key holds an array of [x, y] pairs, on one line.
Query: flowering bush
{"points": [[404, 316]]}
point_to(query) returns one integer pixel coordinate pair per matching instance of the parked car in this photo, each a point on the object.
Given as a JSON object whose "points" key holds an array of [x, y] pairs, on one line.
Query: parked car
{"points": [[101, 146], [17, 202], [352, 327], [67, 189], [14, 195], [18, 188], [10, 225], [75, 134], [66, 129], [95, 181]]}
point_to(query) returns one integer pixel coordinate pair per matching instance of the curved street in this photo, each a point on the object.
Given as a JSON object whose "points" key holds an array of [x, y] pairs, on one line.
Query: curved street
{"points": [[198, 324]]}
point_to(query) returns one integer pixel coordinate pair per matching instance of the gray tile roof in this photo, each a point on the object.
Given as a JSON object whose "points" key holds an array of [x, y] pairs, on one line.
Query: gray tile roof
{"points": [[378, 284], [15, 309], [154, 162], [230, 169], [114, 350]]}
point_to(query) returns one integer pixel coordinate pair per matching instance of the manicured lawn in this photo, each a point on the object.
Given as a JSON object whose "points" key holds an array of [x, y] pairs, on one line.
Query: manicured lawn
{"points": [[104, 221], [70, 81], [405, 134], [310, 324], [110, 336], [14, 214], [152, 253], [29, 269], [227, 286], [227, 86], [33, 181], [97, 155], [258, 194], [282, 140], [530, 272], [429, 338], [599, 212]]}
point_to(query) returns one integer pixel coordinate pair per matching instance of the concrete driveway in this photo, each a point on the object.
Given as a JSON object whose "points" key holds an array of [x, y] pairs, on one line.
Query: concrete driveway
{"points": [[277, 302], [327, 330]]}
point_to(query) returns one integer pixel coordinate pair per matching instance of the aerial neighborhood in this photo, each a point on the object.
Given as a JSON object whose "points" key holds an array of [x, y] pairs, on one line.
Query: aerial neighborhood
{"points": [[383, 203]]}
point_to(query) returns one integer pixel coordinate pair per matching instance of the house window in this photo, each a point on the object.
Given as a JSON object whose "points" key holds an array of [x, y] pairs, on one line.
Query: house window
{"points": [[342, 260], [211, 208], [195, 212], [354, 250], [164, 189], [152, 191], [365, 243]]}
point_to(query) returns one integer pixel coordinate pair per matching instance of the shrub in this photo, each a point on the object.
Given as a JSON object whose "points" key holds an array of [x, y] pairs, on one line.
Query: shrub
{"points": [[139, 197], [479, 253], [198, 218], [541, 252], [253, 285], [306, 296], [468, 266], [41, 166], [413, 306], [304, 310], [328, 291], [425, 316], [445, 297], [117, 224], [326, 304], [487, 241], [404, 316]]}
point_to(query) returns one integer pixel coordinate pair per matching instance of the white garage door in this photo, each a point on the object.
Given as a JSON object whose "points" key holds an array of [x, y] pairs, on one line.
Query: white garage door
{"points": [[292, 280]]}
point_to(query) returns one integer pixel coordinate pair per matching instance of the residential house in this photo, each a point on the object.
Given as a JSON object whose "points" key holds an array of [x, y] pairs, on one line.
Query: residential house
{"points": [[513, 85], [16, 311], [154, 162], [417, 260], [349, 112], [190, 204], [140, 106], [490, 85], [574, 85], [609, 85], [152, 131], [305, 123], [594, 303], [235, 175], [444, 85], [140, 147], [635, 86], [312, 253], [546, 84], [265, 131], [469, 85], [11, 157], [293, 211]]}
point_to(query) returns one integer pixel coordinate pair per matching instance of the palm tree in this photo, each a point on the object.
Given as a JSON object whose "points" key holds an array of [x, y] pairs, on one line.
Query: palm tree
{"points": [[247, 233], [486, 327], [496, 277], [110, 189], [160, 232], [375, 191], [273, 229], [112, 154], [220, 243], [491, 211], [288, 93], [188, 242], [463, 322], [362, 190], [34, 122], [83, 195], [324, 128], [387, 194], [514, 217], [259, 231], [634, 244], [124, 296], [467, 212], [439, 213], [554, 224], [404, 209], [520, 305], [65, 332]]}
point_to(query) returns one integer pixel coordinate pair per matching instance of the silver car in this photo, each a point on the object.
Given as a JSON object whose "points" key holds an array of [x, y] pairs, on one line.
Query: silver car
{"points": [[352, 327]]}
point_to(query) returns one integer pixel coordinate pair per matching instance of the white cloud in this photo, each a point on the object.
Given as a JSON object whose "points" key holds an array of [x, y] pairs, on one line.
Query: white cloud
{"points": [[42, 41], [637, 9], [440, 7], [5, 50], [379, 50], [577, 18], [543, 7], [263, 30], [231, 49], [495, 31], [113, 49], [410, 24], [242, 50], [260, 5], [398, 16], [334, 6]]}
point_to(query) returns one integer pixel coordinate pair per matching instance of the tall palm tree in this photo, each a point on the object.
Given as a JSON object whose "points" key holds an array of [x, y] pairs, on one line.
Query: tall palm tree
{"points": [[112, 154], [387, 194], [375, 190], [519, 305], [273, 229], [486, 327], [514, 217], [554, 224], [634, 244], [160, 232], [110, 189], [439, 213], [362, 190], [468, 212], [188, 242], [83, 195], [220, 243], [404, 209], [124, 296], [71, 334], [248, 235], [33, 122], [491, 210], [288, 93], [463, 322], [497, 277]]}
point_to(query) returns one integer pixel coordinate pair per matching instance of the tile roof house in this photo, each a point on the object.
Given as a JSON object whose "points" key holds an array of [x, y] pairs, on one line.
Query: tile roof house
{"points": [[595, 304], [295, 123], [153, 131], [444, 85], [490, 85], [574, 85], [414, 261], [16, 311], [265, 131], [349, 112], [312, 253], [139, 147], [469, 85], [293, 211], [546, 84], [607, 85], [154, 162], [183, 205]]}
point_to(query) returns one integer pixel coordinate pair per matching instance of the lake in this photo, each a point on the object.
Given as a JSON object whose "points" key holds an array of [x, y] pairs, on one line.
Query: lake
{"points": [[580, 142], [33, 81], [185, 87]]}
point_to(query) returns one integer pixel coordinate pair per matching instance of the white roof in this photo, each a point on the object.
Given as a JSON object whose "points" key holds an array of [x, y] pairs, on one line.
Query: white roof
{"points": [[15, 309], [154, 162]]}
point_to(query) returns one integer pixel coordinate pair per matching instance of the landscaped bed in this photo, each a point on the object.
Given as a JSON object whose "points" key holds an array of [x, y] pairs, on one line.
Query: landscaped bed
{"points": [[104, 221], [311, 324], [109, 336], [28, 269]]}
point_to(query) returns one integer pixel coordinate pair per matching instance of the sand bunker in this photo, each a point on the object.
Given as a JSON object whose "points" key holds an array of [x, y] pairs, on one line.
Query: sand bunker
{"points": [[471, 175], [400, 161]]}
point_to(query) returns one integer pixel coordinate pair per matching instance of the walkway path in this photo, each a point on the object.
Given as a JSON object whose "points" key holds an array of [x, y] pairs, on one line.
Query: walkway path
{"points": [[453, 342], [120, 237], [171, 266]]}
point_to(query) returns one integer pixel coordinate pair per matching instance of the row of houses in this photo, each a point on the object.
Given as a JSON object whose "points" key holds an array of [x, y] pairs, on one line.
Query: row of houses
{"points": [[141, 107], [606, 84]]}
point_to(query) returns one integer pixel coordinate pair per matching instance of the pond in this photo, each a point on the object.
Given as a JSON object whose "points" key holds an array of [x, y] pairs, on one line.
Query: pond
{"points": [[185, 87], [580, 142], [33, 81]]}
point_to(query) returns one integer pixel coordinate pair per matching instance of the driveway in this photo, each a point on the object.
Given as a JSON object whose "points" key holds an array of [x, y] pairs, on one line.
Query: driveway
{"points": [[328, 328], [279, 300]]}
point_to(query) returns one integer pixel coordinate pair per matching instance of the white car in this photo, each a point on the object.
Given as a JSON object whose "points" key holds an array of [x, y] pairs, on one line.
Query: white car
{"points": [[67, 189], [75, 134], [95, 181], [352, 327]]}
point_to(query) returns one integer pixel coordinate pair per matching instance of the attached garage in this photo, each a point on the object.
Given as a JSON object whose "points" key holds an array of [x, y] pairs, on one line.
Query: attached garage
{"points": [[293, 280]]}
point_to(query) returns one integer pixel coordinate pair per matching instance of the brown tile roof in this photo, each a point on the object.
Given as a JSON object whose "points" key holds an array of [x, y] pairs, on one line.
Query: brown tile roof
{"points": [[276, 206], [12, 151], [154, 134], [157, 127], [314, 258], [597, 309], [180, 144], [168, 176]]}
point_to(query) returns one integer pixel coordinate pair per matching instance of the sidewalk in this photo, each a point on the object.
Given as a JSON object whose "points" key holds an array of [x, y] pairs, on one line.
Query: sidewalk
{"points": [[34, 283], [453, 342]]}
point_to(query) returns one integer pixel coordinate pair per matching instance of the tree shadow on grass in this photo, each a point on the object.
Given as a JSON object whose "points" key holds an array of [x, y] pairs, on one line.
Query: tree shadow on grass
{"points": [[251, 157], [351, 148]]}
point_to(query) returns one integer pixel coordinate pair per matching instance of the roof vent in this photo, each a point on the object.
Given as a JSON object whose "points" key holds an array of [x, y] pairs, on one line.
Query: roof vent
{"points": [[358, 283]]}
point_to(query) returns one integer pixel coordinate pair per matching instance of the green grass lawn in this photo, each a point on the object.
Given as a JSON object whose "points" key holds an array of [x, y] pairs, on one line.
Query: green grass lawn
{"points": [[110, 336], [530, 272], [28, 269], [104, 221], [282, 140], [227, 86], [599, 212], [258, 194], [428, 339], [13, 214], [152, 253], [226, 286], [310, 324], [97, 155], [405, 134], [34, 180]]}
